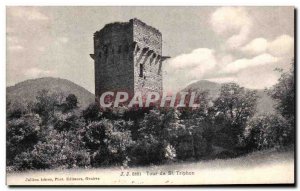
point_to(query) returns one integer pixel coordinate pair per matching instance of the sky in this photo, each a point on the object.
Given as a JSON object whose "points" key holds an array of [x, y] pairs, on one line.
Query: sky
{"points": [[221, 44]]}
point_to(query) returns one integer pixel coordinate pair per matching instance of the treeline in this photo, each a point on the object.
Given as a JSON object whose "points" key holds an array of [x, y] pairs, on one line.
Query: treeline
{"points": [[54, 133]]}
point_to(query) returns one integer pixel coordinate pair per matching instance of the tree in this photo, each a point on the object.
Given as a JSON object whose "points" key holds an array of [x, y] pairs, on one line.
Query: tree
{"points": [[70, 103], [152, 123], [107, 141], [54, 150], [201, 111], [156, 130], [233, 108], [92, 113], [22, 135], [67, 121], [45, 105], [284, 93], [15, 110], [268, 131], [57, 111]]}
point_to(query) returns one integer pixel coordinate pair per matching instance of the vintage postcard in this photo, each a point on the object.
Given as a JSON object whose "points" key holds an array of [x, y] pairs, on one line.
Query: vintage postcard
{"points": [[150, 95]]}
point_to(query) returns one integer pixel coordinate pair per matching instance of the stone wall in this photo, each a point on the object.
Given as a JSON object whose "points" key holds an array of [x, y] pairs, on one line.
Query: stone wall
{"points": [[147, 54], [113, 58]]}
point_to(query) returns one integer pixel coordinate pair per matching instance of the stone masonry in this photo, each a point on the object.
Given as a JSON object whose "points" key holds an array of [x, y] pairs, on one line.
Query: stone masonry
{"points": [[128, 57]]}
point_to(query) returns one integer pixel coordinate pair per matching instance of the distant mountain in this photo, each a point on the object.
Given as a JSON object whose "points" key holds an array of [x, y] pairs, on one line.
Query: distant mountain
{"points": [[265, 102], [26, 91], [213, 88]]}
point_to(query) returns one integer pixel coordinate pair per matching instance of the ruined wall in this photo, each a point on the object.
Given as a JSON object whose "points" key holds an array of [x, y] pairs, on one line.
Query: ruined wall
{"points": [[147, 54], [113, 58]]}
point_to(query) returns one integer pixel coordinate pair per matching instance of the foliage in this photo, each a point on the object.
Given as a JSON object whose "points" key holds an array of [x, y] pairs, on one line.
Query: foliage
{"points": [[15, 110], [71, 101], [232, 109], [45, 105], [155, 134], [148, 150], [284, 93], [67, 121], [107, 141], [190, 140], [56, 150], [268, 131], [22, 135], [53, 133], [92, 113]]}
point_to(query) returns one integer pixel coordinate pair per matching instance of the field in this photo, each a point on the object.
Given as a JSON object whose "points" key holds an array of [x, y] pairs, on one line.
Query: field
{"points": [[258, 167]]}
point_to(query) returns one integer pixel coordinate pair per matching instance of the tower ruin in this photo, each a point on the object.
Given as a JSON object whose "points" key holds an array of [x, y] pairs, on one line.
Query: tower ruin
{"points": [[128, 57]]}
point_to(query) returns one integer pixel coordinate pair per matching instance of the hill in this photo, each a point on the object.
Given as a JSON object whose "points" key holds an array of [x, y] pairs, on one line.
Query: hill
{"points": [[265, 102], [26, 91]]}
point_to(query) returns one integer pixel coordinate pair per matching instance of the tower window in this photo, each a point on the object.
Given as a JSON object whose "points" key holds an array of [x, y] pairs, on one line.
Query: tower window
{"points": [[141, 70]]}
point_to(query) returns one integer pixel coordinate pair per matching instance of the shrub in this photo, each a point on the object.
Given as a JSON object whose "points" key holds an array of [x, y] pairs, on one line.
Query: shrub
{"points": [[189, 141], [155, 132], [15, 110], [23, 161], [268, 131], [233, 108], [149, 150], [108, 141], [66, 121], [91, 113], [71, 102], [45, 105], [22, 135], [56, 150], [284, 93]]}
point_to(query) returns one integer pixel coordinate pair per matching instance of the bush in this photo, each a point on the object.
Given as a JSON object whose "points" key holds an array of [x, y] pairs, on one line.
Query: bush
{"points": [[45, 105], [15, 110], [232, 109], [189, 141], [150, 150], [91, 113], [22, 135], [268, 131], [108, 141], [284, 93], [155, 132], [57, 150], [66, 121]]}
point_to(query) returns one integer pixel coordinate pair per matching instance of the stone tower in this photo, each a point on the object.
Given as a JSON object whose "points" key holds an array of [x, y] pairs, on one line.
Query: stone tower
{"points": [[128, 57]]}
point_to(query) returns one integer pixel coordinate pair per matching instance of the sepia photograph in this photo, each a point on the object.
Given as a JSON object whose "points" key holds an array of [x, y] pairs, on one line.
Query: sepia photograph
{"points": [[150, 96]]}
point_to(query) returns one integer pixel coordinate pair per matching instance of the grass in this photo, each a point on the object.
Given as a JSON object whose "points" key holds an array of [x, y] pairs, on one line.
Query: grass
{"points": [[262, 167]]}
